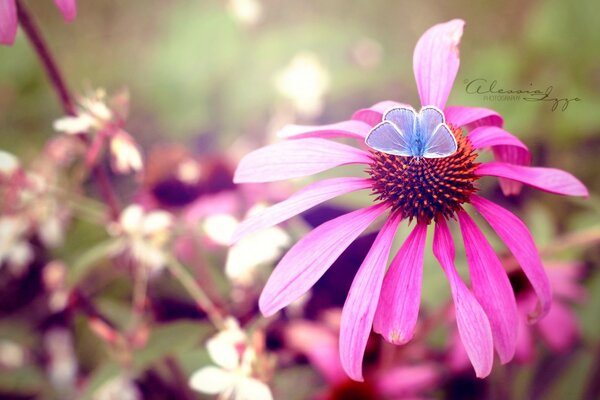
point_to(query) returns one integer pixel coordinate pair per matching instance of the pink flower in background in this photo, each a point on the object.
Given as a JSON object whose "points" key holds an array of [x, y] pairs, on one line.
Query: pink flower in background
{"points": [[9, 20], [560, 329], [318, 341], [422, 189]]}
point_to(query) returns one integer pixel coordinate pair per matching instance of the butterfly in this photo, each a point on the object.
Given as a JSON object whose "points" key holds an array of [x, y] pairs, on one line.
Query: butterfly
{"points": [[404, 132]]}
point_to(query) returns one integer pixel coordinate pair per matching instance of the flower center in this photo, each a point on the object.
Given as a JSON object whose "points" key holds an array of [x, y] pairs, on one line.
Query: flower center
{"points": [[426, 188]]}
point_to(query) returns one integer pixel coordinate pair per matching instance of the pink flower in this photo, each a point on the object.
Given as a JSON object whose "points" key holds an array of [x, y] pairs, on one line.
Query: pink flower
{"points": [[319, 343], [423, 189], [9, 20], [559, 330]]}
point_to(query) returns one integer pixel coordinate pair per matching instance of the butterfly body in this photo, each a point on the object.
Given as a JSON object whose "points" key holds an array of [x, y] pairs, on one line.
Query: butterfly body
{"points": [[404, 132]]}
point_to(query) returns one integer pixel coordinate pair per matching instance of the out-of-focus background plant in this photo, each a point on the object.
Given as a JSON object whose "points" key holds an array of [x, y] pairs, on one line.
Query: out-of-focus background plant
{"points": [[116, 281]]}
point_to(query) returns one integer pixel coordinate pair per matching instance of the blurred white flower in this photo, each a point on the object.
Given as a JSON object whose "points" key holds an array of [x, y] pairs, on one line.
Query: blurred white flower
{"points": [[73, 125], [8, 163], [125, 154], [304, 81], [252, 251], [232, 377], [119, 388], [15, 249], [248, 254], [145, 235], [62, 362], [12, 355], [248, 12]]}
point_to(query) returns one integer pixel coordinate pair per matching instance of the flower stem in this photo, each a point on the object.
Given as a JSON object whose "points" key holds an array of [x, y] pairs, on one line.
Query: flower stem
{"points": [[202, 300], [38, 43], [64, 95]]}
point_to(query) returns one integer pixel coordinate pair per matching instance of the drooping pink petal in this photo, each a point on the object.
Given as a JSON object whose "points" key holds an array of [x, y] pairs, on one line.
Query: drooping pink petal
{"points": [[296, 158], [560, 328], [517, 238], [403, 381], [473, 325], [361, 303], [398, 307], [68, 8], [506, 147], [548, 179], [472, 117], [320, 345], [308, 259], [8, 22], [436, 61], [374, 114], [354, 129], [301, 201], [491, 287]]}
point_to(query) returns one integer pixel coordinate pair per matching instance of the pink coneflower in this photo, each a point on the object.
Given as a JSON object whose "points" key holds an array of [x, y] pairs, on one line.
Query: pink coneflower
{"points": [[421, 189], [9, 20]]}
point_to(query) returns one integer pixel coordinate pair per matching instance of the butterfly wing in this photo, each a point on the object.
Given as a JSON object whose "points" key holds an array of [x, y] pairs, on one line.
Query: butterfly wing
{"points": [[387, 138], [441, 144]]}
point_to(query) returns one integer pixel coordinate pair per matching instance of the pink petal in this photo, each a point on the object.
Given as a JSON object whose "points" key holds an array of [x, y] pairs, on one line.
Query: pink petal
{"points": [[352, 129], [68, 8], [472, 117], [492, 136], [398, 307], [517, 238], [8, 19], [374, 114], [306, 198], [436, 61], [296, 158], [320, 345], [491, 286], [361, 303], [308, 259], [548, 179], [507, 148], [560, 328], [402, 381], [473, 325], [565, 279]]}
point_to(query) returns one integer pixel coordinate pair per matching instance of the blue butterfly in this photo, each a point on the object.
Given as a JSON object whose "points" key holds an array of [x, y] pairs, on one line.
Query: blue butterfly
{"points": [[403, 132]]}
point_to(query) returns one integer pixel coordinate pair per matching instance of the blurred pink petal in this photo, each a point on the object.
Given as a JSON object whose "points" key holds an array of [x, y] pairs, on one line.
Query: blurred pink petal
{"points": [[351, 129], [361, 303], [301, 201], [296, 158], [373, 115], [405, 381], [68, 8], [472, 117], [491, 286], [560, 328], [506, 147], [308, 259], [548, 179], [398, 307], [8, 22], [320, 345], [565, 277], [525, 350], [436, 60], [473, 324], [518, 239]]}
